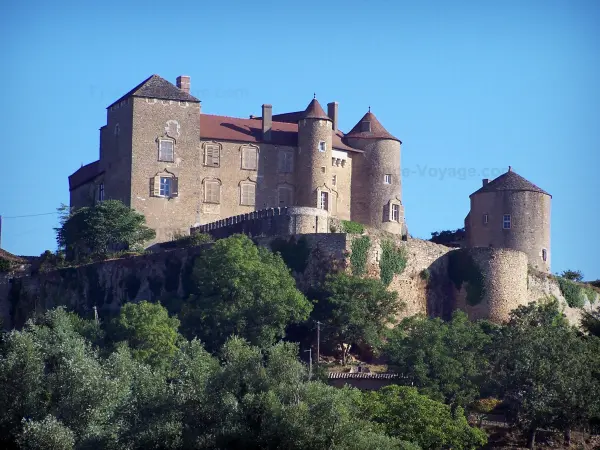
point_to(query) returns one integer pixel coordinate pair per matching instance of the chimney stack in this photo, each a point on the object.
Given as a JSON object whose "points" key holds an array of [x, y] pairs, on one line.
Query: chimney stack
{"points": [[486, 181], [183, 83], [332, 112], [510, 168], [267, 122]]}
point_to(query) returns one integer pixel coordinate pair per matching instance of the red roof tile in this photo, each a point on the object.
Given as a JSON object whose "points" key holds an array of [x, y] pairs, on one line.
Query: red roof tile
{"points": [[360, 130], [250, 130], [84, 174], [314, 111]]}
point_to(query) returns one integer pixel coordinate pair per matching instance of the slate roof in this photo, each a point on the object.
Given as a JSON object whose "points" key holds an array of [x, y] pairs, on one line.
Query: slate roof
{"points": [[315, 111], [158, 87], [377, 130], [84, 174], [510, 181], [250, 130]]}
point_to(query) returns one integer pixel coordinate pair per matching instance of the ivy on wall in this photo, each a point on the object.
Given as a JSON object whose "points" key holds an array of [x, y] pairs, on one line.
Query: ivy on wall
{"points": [[5, 265], [358, 258], [392, 261], [463, 269], [351, 227], [295, 253], [574, 293]]}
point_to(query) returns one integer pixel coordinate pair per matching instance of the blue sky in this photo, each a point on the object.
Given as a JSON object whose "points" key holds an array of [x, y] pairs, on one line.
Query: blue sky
{"points": [[470, 87]]}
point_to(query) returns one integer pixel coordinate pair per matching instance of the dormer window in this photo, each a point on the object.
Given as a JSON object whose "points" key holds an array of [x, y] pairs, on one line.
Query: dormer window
{"points": [[366, 127], [322, 146], [165, 150]]}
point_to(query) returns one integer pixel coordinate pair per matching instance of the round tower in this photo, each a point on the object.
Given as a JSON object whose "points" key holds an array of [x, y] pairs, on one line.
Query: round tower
{"points": [[511, 212], [376, 176], [313, 164]]}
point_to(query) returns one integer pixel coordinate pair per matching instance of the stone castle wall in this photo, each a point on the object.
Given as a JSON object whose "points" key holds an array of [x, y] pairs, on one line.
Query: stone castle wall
{"points": [[167, 274]]}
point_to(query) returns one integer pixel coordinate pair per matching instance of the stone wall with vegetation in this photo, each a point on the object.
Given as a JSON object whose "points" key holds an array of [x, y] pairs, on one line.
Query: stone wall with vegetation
{"points": [[430, 278]]}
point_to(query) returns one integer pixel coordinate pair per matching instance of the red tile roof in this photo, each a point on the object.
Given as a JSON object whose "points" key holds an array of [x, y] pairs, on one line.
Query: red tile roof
{"points": [[250, 130], [377, 130], [84, 174], [157, 87], [315, 111]]}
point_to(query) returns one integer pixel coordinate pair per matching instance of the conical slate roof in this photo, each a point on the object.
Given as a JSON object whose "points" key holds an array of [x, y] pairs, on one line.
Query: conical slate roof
{"points": [[370, 122], [158, 87], [315, 111], [510, 181]]}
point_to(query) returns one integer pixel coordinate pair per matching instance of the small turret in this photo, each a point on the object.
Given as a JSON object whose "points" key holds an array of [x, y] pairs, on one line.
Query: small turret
{"points": [[314, 159], [376, 176]]}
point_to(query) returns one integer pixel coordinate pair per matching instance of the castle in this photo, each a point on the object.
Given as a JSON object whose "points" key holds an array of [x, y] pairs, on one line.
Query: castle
{"points": [[183, 170]]}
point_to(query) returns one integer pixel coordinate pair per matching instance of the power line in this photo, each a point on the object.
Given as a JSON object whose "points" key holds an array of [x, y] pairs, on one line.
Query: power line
{"points": [[29, 215]]}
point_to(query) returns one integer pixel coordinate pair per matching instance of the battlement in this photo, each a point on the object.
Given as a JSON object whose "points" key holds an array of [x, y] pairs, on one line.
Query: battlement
{"points": [[285, 221]]}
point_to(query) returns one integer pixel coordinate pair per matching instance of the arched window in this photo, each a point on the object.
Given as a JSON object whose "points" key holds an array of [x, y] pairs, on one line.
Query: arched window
{"points": [[247, 193], [212, 190], [165, 185], [249, 157], [166, 149]]}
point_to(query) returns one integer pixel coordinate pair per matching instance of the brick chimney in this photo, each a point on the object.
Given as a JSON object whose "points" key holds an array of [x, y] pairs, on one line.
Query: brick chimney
{"points": [[267, 122], [486, 181], [183, 83], [332, 112]]}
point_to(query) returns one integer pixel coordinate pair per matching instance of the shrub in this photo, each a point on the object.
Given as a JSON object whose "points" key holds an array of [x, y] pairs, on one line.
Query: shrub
{"points": [[462, 268], [5, 265], [358, 258], [425, 275], [294, 252], [572, 292], [485, 405], [351, 227], [392, 261]]}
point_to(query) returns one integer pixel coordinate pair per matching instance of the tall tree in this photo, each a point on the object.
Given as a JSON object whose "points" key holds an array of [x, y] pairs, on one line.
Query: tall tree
{"points": [[244, 290], [545, 370], [101, 229], [445, 360], [355, 311]]}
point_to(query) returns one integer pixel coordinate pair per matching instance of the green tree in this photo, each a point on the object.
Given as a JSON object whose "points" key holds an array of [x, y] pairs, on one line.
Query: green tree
{"points": [[244, 290], [545, 370], [101, 229], [410, 416], [150, 332], [573, 275], [44, 434], [355, 311], [445, 360]]}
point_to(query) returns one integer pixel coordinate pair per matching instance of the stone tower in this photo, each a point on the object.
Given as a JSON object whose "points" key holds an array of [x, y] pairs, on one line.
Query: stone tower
{"points": [[376, 176], [511, 212], [313, 173]]}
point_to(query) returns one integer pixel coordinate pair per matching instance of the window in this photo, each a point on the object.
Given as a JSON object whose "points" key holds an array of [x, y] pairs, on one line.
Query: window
{"points": [[101, 192], [366, 127], [247, 194], [322, 146], [285, 196], [506, 221], [212, 191], [165, 186], [165, 150], [387, 178], [286, 161], [249, 158], [396, 213], [334, 180], [324, 201], [117, 130], [211, 155], [485, 219], [544, 255]]}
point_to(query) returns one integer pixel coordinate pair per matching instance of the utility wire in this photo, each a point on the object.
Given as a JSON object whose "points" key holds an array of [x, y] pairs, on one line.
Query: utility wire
{"points": [[29, 215]]}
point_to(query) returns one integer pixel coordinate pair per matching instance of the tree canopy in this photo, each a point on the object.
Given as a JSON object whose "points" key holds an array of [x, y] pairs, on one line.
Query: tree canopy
{"points": [[101, 229], [241, 289]]}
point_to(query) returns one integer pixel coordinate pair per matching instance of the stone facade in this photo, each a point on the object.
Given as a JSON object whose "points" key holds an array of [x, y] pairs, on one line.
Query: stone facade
{"points": [[510, 212], [217, 167]]}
